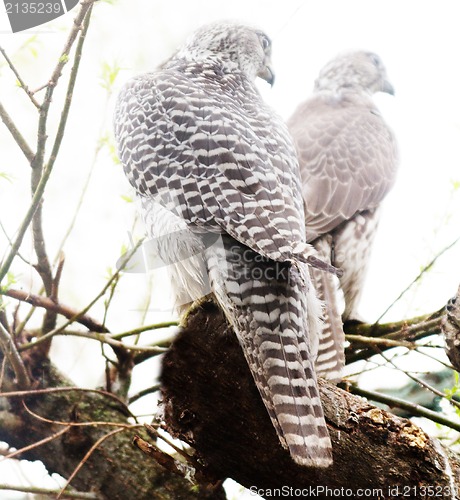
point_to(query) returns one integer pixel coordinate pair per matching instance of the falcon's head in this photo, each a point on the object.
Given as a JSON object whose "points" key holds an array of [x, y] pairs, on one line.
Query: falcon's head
{"points": [[235, 47], [359, 71]]}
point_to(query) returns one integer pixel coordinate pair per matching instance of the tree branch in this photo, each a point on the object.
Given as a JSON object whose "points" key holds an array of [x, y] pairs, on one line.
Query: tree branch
{"points": [[405, 330], [68, 494], [425, 269], [413, 408], [51, 305], [40, 182], [21, 82], [114, 471], [211, 402], [12, 354], [17, 136], [44, 266]]}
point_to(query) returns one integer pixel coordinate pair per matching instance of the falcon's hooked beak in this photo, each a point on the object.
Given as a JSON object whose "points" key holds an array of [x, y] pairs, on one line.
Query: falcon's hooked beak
{"points": [[267, 74], [388, 88]]}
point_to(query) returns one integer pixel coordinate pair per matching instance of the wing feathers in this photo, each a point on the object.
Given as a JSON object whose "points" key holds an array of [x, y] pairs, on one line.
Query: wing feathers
{"points": [[267, 312], [348, 159]]}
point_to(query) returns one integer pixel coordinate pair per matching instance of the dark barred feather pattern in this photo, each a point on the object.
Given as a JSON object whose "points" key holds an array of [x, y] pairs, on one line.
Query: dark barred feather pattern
{"points": [[207, 155], [266, 302]]}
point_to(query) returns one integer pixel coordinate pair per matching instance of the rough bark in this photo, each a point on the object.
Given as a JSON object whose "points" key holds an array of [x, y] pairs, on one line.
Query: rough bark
{"points": [[451, 329], [211, 402], [117, 470]]}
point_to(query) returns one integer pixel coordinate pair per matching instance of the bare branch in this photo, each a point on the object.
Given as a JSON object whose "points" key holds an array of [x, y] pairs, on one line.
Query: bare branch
{"points": [[40, 183], [37, 443], [144, 392], [93, 423], [44, 266], [98, 337], [146, 328], [46, 491], [17, 136], [14, 358], [118, 347], [419, 276], [81, 22], [62, 309], [86, 457], [53, 390], [422, 382], [405, 330], [377, 341], [22, 84]]}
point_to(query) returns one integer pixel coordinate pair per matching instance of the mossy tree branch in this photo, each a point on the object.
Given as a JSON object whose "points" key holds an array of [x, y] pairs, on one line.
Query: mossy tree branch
{"points": [[211, 402], [116, 470]]}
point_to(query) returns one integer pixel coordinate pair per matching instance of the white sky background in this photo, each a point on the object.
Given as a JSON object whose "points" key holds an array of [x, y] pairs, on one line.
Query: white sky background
{"points": [[418, 41]]}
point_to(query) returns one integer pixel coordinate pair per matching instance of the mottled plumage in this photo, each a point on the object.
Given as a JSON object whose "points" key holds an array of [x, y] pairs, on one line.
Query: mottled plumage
{"points": [[348, 160], [207, 155]]}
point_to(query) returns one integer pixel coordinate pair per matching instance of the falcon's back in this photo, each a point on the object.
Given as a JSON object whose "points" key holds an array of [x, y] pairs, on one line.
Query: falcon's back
{"points": [[192, 124]]}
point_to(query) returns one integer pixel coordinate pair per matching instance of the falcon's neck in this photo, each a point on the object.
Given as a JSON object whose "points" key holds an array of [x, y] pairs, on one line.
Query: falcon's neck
{"points": [[336, 87], [228, 63], [215, 73]]}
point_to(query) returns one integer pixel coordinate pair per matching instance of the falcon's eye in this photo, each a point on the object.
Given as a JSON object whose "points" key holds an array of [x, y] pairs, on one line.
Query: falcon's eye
{"points": [[265, 42], [376, 60]]}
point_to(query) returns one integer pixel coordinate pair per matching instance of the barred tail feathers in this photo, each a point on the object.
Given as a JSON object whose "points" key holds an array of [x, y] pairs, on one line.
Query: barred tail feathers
{"points": [[331, 356], [266, 303]]}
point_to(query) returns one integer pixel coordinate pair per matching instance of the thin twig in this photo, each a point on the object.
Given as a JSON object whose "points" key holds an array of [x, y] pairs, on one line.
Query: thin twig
{"points": [[361, 339], [14, 358], [3, 318], [2, 371], [20, 80], [423, 353], [421, 382], [44, 266], [85, 7], [81, 22], [37, 443], [80, 424], [418, 277], [62, 309], [53, 390], [47, 491], [86, 458], [146, 328], [152, 431], [99, 337], [57, 277], [144, 392], [115, 276], [37, 161], [412, 329], [142, 356], [2, 227]]}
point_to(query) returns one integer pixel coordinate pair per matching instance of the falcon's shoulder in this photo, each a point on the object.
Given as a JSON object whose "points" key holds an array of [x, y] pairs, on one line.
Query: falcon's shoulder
{"points": [[219, 154], [348, 158]]}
